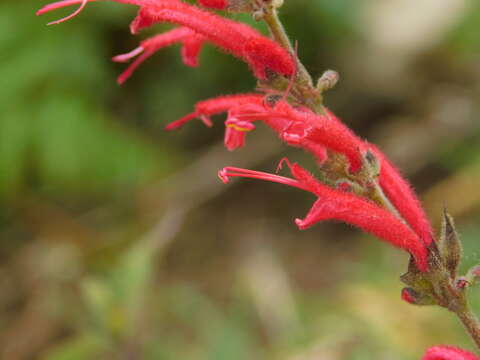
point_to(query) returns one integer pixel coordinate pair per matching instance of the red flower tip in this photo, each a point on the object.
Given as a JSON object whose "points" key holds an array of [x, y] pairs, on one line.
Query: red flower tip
{"points": [[214, 4], [222, 174], [444, 352], [408, 296]]}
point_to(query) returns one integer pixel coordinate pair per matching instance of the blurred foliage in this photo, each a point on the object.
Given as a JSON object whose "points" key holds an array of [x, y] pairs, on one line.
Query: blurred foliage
{"points": [[104, 256]]}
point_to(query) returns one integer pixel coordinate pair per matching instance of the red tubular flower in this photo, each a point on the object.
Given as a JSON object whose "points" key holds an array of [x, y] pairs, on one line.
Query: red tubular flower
{"points": [[307, 128], [260, 52], [448, 353], [205, 109], [251, 107], [346, 207], [192, 44], [302, 128]]}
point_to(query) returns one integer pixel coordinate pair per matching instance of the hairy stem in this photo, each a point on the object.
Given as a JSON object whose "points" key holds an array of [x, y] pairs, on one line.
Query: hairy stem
{"points": [[280, 35], [303, 82], [471, 323]]}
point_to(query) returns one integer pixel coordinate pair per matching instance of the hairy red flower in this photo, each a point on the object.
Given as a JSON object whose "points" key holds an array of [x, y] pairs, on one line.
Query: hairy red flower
{"points": [[444, 352], [260, 52], [300, 127], [191, 41], [205, 109], [343, 206]]}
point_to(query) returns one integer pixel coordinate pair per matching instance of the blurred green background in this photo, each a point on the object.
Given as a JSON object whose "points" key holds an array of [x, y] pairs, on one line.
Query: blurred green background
{"points": [[118, 241]]}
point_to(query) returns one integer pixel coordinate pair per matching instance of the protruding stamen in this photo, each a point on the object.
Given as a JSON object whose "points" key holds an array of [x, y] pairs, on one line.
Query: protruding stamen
{"points": [[128, 56], [61, 4], [180, 122], [238, 125], [58, 5], [281, 162], [206, 120], [228, 172]]}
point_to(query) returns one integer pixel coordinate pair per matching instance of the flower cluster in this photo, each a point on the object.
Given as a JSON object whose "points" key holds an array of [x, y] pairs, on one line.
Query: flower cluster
{"points": [[261, 53], [349, 197], [359, 184]]}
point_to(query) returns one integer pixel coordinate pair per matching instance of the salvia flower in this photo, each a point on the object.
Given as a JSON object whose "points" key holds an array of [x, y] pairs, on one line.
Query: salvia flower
{"points": [[448, 353], [191, 46], [317, 133], [343, 206], [260, 52]]}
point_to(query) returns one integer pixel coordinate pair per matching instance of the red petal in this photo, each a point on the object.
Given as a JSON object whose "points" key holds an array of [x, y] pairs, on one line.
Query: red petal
{"points": [[191, 40], [191, 50], [448, 353], [369, 217], [402, 196], [239, 39], [214, 4]]}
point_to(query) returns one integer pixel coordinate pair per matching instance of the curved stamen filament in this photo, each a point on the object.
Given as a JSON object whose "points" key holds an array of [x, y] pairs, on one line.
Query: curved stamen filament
{"points": [[62, 4], [128, 56], [226, 173]]}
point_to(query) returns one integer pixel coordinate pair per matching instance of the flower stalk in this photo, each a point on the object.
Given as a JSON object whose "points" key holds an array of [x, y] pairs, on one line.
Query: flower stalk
{"points": [[303, 85]]}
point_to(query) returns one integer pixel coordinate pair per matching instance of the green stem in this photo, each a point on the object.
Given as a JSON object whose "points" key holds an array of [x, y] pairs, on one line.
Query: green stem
{"points": [[380, 198], [303, 84]]}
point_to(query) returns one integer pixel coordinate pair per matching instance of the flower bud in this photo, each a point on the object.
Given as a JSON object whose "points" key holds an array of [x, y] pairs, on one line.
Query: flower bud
{"points": [[371, 164], [414, 297], [328, 80], [462, 283], [450, 246]]}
